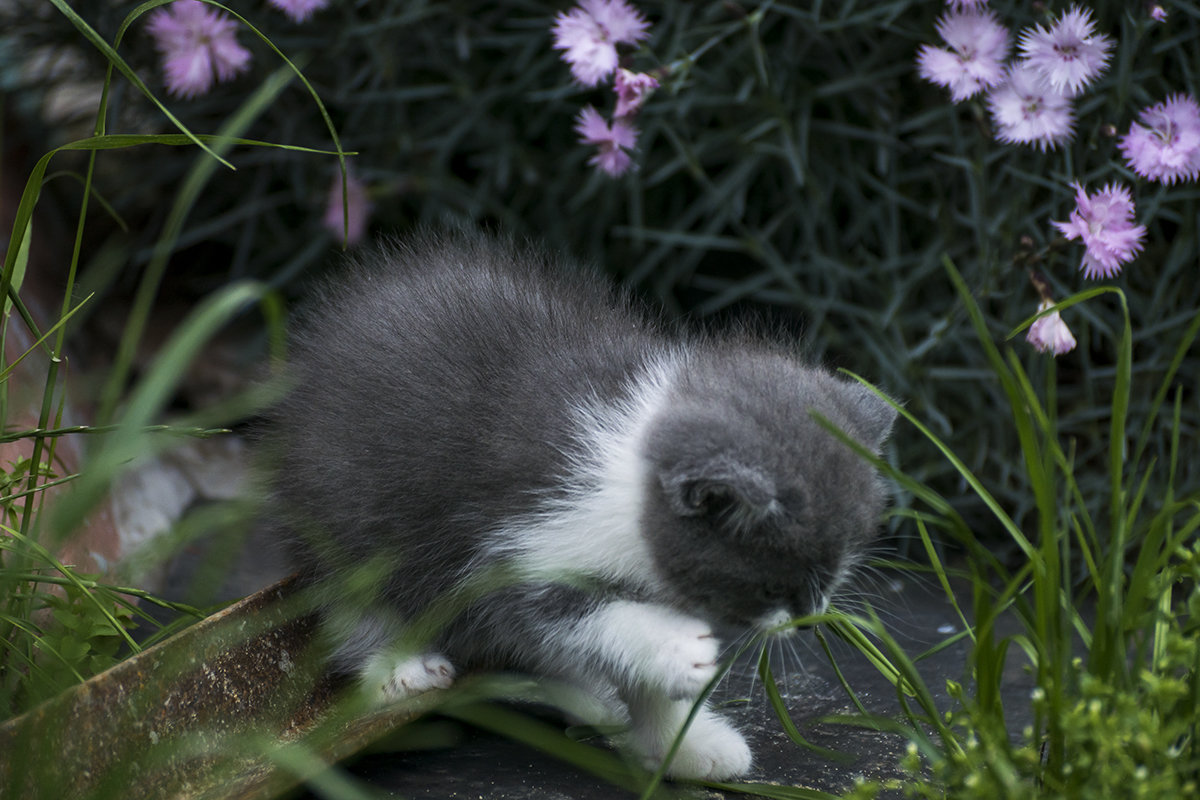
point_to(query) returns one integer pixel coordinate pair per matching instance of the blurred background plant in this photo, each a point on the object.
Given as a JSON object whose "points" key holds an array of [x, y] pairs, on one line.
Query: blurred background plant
{"points": [[792, 159]]}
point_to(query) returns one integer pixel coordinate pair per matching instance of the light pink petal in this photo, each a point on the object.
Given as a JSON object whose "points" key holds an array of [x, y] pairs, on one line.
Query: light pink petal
{"points": [[591, 126], [591, 56], [196, 43], [1165, 145], [167, 30], [358, 208], [937, 65], [229, 58], [624, 133], [193, 14], [632, 90], [1026, 110], [574, 27], [619, 20], [1104, 223], [973, 59], [613, 161], [189, 73], [590, 33], [1049, 334], [1070, 54], [611, 141], [299, 10]]}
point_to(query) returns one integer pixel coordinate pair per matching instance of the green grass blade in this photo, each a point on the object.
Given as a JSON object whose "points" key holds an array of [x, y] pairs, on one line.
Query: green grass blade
{"points": [[89, 591], [785, 717], [1107, 657], [547, 738], [35, 635], [129, 441], [33, 184], [4, 373], [115, 60], [11, 281], [940, 570], [193, 184], [1160, 395], [850, 630], [837, 671], [771, 791], [1011, 527]]}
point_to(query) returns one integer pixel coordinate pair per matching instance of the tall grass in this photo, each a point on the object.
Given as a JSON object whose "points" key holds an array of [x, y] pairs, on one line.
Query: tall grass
{"points": [[1105, 602], [58, 626]]}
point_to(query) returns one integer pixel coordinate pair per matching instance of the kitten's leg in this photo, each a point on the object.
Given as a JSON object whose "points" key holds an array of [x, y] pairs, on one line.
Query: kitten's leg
{"points": [[658, 660], [388, 671], [662, 660], [389, 676], [644, 644], [585, 701]]}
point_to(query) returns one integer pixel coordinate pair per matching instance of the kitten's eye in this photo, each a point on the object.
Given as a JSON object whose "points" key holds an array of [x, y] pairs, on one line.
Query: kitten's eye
{"points": [[706, 496]]}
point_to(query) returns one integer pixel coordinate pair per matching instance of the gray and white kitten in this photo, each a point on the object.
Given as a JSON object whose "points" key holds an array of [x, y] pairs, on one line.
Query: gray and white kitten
{"points": [[464, 407]]}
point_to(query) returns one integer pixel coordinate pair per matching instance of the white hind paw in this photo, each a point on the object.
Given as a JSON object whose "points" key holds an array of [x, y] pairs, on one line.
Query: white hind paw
{"points": [[409, 677], [711, 750]]}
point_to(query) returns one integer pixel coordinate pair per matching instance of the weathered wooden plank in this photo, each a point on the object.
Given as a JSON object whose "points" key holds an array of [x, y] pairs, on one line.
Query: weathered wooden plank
{"points": [[200, 715]]}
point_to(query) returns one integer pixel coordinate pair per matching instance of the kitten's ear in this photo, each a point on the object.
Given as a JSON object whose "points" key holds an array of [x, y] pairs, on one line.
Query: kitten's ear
{"points": [[735, 492], [871, 415]]}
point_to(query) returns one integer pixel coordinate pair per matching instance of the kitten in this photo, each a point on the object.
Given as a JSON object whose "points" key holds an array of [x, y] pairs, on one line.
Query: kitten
{"points": [[541, 477]]}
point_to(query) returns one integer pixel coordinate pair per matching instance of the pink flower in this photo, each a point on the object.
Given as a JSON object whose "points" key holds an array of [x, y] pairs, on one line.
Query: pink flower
{"points": [[1070, 54], [589, 35], [612, 141], [1165, 147], [1104, 222], [1049, 334], [196, 41], [632, 89], [973, 59], [357, 206], [299, 10], [1158, 13], [1027, 110]]}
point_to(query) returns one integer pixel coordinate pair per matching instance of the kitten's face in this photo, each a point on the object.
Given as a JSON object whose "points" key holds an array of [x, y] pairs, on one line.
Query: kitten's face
{"points": [[754, 513], [761, 570]]}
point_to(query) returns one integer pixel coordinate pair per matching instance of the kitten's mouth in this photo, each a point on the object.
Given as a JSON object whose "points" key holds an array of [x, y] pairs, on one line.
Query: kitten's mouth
{"points": [[773, 621], [780, 621]]}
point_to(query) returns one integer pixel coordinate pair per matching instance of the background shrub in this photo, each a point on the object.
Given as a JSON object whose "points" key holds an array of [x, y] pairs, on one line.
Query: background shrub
{"points": [[792, 160]]}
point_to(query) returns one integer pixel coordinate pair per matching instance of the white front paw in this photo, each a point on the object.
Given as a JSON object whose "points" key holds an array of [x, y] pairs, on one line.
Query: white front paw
{"points": [[686, 660], [389, 680], [648, 645]]}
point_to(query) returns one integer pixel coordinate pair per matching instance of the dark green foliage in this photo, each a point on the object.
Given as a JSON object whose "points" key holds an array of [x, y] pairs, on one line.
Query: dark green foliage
{"points": [[797, 162], [80, 641]]}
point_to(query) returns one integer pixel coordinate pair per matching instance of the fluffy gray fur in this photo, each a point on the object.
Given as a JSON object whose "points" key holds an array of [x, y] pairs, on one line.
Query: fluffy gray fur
{"points": [[464, 407]]}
